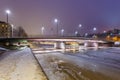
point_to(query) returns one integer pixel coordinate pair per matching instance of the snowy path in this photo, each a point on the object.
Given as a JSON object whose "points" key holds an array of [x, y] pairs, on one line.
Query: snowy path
{"points": [[89, 65], [20, 65]]}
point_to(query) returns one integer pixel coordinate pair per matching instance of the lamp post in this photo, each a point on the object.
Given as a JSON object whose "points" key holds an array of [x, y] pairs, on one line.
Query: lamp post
{"points": [[94, 30], [62, 32], [86, 34], [80, 26], [8, 12], [56, 22], [42, 30], [76, 32]]}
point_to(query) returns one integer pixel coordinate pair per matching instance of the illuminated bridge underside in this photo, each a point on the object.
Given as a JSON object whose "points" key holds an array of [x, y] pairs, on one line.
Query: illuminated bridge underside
{"points": [[69, 40]]}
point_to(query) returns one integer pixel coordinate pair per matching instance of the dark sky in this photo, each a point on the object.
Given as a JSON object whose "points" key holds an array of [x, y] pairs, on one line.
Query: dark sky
{"points": [[33, 14]]}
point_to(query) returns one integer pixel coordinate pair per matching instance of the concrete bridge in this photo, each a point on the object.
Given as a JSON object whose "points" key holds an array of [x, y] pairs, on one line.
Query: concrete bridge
{"points": [[57, 42], [61, 43]]}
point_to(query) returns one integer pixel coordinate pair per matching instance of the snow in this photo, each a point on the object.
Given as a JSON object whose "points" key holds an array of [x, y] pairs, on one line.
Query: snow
{"points": [[20, 65], [2, 50], [92, 60]]}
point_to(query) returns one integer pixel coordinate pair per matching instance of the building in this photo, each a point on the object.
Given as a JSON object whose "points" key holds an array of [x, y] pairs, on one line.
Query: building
{"points": [[5, 30]]}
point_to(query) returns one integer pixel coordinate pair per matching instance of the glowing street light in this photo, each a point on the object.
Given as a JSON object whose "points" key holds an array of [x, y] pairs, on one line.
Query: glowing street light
{"points": [[86, 34], [94, 29], [56, 22], [76, 32], [62, 32], [8, 12], [80, 25], [104, 31], [42, 30]]}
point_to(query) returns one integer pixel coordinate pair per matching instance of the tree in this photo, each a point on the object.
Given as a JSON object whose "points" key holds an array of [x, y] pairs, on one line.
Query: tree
{"points": [[21, 32]]}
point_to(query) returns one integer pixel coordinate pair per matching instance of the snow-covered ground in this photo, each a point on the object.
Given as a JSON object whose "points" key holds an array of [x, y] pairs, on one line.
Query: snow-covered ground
{"points": [[103, 64], [3, 50], [20, 65]]}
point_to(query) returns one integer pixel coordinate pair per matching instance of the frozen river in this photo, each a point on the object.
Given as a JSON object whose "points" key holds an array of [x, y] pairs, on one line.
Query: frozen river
{"points": [[102, 64]]}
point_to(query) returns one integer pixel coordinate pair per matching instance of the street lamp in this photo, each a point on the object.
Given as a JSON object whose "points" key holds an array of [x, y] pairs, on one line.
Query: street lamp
{"points": [[80, 25], [94, 29], [56, 22], [8, 12], [86, 34], [62, 32], [76, 32], [42, 30], [104, 31]]}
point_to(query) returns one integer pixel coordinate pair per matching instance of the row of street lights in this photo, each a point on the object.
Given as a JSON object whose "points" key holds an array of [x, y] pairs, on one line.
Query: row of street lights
{"points": [[57, 25], [62, 30], [76, 32]]}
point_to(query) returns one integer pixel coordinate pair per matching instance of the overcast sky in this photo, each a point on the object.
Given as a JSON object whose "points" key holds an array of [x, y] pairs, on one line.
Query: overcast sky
{"points": [[33, 14]]}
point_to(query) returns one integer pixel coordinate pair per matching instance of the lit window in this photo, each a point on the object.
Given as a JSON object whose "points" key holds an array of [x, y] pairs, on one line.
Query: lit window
{"points": [[2, 25]]}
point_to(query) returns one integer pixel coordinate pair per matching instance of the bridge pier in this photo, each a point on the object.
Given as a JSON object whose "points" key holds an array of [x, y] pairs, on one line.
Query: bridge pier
{"points": [[95, 44], [59, 45], [91, 44]]}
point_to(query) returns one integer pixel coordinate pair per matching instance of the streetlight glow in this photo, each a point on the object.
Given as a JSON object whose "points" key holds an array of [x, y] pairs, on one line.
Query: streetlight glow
{"points": [[8, 11], [94, 29], [56, 20], [86, 34], [104, 31], [76, 32], [42, 30], [80, 25], [62, 31]]}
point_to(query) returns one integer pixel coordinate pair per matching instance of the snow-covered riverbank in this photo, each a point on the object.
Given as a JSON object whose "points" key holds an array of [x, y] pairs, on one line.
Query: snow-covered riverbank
{"points": [[20, 65]]}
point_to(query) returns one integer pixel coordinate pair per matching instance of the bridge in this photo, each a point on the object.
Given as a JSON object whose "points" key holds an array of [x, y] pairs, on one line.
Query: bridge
{"points": [[57, 42]]}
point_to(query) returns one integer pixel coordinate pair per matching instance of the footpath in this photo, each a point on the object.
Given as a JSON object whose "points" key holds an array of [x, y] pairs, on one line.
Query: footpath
{"points": [[20, 65]]}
